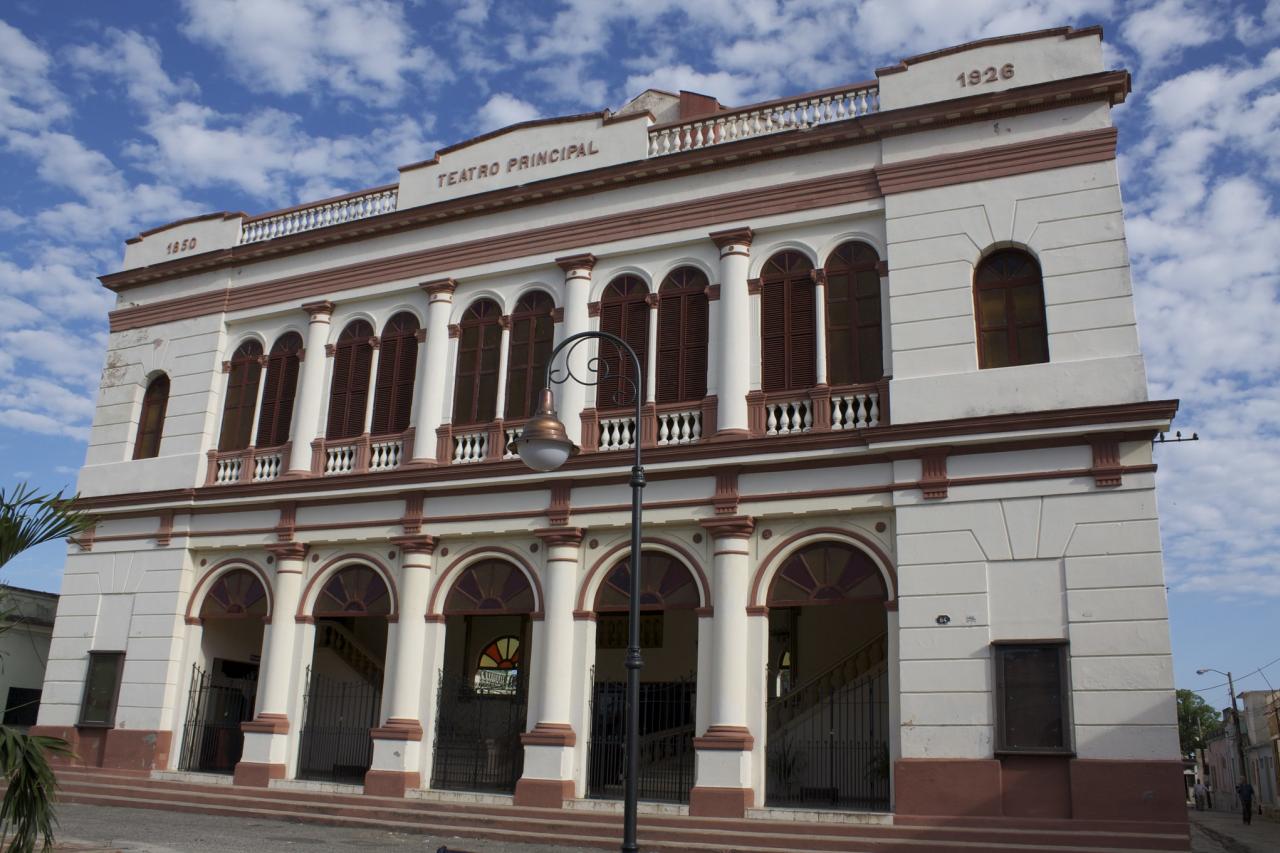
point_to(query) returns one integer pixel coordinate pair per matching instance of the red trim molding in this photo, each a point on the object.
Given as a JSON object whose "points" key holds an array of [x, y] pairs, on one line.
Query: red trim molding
{"points": [[390, 783], [933, 474], [543, 793], [550, 734], [569, 536], [1107, 470], [720, 802], [726, 738], [251, 774], [266, 724], [729, 527]]}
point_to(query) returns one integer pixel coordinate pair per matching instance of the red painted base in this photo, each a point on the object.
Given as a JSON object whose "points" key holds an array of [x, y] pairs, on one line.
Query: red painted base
{"points": [[390, 783], [720, 802], [543, 793], [254, 775]]}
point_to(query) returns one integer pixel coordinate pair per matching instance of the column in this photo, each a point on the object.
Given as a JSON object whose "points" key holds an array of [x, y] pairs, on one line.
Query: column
{"points": [[504, 347], [571, 396], [734, 328], [257, 401], [549, 747], [266, 736], [397, 744], [376, 345], [723, 772], [820, 396], [433, 369], [310, 387], [651, 356]]}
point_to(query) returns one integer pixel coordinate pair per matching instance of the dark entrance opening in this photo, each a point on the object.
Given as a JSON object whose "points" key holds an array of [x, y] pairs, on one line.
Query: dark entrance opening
{"points": [[482, 695], [828, 711], [668, 682], [344, 682], [224, 682]]}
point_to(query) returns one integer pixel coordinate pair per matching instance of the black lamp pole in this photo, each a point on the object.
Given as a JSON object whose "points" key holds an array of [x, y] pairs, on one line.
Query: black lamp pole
{"points": [[545, 426]]}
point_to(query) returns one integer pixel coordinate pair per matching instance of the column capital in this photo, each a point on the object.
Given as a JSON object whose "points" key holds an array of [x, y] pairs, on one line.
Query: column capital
{"points": [[651, 299], [729, 527], [740, 236], [439, 287], [557, 315], [593, 309], [570, 263], [755, 285], [375, 342], [818, 277], [416, 543], [288, 550], [504, 322], [712, 291], [552, 536], [320, 310], [455, 330]]}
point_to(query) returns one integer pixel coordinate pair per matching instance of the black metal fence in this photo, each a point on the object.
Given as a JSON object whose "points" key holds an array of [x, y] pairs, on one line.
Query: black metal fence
{"points": [[666, 740], [828, 746], [216, 706], [478, 726], [335, 743]]}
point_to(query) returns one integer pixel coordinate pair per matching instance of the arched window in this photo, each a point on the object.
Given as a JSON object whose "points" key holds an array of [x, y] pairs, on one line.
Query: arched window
{"points": [[788, 339], [349, 391], [1009, 294], [397, 364], [665, 584], [242, 396], [854, 344], [475, 386], [826, 573], [625, 313], [682, 336], [489, 587], [356, 590], [532, 330], [282, 386], [151, 422], [237, 594]]}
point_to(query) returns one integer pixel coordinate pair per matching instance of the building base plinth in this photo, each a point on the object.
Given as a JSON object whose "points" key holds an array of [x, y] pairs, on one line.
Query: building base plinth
{"points": [[254, 775], [390, 783], [543, 793], [137, 749], [1117, 789], [720, 802], [948, 787]]}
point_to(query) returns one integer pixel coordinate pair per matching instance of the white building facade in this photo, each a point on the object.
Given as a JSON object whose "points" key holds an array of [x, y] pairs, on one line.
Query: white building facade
{"points": [[901, 539]]}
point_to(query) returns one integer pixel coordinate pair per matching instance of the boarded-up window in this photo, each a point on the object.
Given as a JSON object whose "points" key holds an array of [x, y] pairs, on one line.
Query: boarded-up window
{"points": [[854, 342], [397, 364], [281, 389], [1031, 697], [242, 397], [532, 333], [623, 312], [151, 421], [1009, 301], [475, 385], [682, 336], [349, 391], [788, 339], [101, 689]]}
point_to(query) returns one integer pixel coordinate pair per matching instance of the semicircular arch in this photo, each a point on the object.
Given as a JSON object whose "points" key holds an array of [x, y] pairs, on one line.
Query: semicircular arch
{"points": [[764, 577], [196, 600], [311, 592], [449, 577], [589, 591]]}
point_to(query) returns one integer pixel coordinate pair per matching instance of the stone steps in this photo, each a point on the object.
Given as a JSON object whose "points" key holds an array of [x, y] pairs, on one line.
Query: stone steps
{"points": [[602, 830]]}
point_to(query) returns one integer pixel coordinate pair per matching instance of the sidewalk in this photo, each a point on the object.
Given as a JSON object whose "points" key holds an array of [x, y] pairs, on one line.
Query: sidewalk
{"points": [[1224, 832]]}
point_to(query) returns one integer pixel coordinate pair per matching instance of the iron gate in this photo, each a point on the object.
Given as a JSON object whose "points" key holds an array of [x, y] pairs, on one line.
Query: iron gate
{"points": [[829, 745], [336, 746], [216, 706], [478, 728], [666, 740]]}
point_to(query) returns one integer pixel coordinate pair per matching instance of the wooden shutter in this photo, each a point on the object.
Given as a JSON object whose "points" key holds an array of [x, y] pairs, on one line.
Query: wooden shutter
{"points": [[788, 361], [1009, 309], [151, 420], [349, 390], [278, 396], [532, 330], [623, 312], [475, 377], [397, 364], [241, 396], [854, 335], [803, 341], [682, 337]]}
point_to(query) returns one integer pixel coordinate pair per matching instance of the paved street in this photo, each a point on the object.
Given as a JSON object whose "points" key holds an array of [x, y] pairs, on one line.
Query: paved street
{"points": [[106, 830], [1223, 832]]}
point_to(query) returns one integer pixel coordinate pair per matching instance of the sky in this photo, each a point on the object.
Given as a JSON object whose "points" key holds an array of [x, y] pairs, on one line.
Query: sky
{"points": [[115, 118]]}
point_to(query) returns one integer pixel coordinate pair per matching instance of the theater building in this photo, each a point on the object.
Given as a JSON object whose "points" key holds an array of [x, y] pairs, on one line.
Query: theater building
{"points": [[901, 548]]}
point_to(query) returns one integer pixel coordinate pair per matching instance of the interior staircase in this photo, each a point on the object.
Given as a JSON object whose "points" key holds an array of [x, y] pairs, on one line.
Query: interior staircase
{"points": [[442, 821], [348, 648]]}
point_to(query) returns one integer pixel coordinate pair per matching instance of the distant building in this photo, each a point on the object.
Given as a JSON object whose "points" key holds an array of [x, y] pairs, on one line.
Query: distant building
{"points": [[1258, 749], [27, 619]]}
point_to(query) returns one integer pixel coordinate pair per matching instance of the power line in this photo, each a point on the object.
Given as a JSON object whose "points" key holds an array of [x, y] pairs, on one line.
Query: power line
{"points": [[1240, 678]]}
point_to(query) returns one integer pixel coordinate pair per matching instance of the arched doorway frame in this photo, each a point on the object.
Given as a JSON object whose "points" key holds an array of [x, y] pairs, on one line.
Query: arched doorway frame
{"points": [[758, 617]]}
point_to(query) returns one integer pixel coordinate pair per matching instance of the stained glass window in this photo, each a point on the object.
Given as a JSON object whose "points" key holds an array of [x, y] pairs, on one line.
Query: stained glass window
{"points": [[825, 573], [502, 653], [354, 591], [235, 595], [665, 584], [490, 586]]}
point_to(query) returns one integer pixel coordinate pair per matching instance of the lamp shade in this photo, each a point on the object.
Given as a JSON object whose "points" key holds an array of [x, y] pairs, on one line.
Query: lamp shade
{"points": [[543, 444]]}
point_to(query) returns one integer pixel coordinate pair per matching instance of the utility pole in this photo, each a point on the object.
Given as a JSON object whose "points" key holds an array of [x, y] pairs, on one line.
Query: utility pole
{"points": [[1244, 768]]}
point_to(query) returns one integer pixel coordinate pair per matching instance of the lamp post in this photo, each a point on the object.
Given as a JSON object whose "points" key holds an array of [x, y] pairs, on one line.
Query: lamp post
{"points": [[1235, 713], [545, 446]]}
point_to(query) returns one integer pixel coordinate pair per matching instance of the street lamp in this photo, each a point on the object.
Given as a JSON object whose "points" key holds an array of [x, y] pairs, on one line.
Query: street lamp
{"points": [[545, 446], [1231, 685]]}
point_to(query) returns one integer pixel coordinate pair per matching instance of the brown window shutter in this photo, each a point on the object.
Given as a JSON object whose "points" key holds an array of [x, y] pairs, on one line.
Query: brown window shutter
{"points": [[803, 341], [349, 391], [670, 323], [1009, 310], [397, 363], [282, 386], [532, 331], [151, 421], [612, 320], [475, 375], [693, 380], [773, 335], [854, 335], [242, 394], [682, 336], [406, 374]]}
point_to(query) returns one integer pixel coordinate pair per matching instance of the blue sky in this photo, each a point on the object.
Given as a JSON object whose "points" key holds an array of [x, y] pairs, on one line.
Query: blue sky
{"points": [[118, 117]]}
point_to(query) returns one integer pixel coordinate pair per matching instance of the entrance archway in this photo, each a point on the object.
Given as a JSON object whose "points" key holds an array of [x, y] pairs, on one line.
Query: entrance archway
{"points": [[224, 679], [344, 683], [484, 684], [828, 709], [669, 597]]}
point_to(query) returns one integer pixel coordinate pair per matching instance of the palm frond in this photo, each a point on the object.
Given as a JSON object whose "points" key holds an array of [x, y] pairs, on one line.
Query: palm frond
{"points": [[27, 810], [29, 518]]}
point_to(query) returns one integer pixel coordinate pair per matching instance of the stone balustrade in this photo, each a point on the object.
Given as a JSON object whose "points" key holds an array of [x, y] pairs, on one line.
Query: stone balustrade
{"points": [[253, 465], [469, 447], [618, 433], [679, 427], [322, 215]]}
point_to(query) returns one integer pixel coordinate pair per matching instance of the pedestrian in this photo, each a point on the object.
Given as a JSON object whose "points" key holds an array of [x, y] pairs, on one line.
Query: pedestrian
{"points": [[1245, 791], [1201, 794]]}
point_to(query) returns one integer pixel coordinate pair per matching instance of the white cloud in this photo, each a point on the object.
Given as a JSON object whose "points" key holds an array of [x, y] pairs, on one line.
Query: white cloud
{"points": [[360, 49], [1160, 32], [1261, 28], [503, 109], [134, 60], [28, 100]]}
